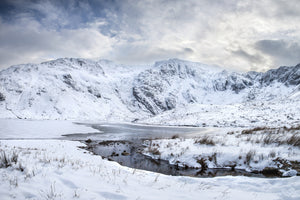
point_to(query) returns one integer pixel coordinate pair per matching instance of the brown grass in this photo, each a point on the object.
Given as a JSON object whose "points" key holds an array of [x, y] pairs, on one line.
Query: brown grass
{"points": [[294, 140], [205, 140], [249, 157]]}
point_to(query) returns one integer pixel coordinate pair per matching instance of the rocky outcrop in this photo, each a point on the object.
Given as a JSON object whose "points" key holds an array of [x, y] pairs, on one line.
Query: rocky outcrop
{"points": [[2, 97], [175, 82], [286, 75]]}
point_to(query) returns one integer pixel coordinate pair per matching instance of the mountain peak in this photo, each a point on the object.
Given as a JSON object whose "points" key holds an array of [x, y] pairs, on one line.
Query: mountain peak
{"points": [[76, 88]]}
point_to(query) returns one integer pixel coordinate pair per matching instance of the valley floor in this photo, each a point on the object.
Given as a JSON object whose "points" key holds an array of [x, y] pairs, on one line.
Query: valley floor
{"points": [[247, 114], [37, 165]]}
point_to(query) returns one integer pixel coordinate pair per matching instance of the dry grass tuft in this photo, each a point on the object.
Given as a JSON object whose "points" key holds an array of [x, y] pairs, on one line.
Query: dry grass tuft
{"points": [[205, 140], [7, 161]]}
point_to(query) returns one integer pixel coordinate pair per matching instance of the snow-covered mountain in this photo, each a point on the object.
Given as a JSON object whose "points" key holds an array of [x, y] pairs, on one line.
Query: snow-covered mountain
{"points": [[67, 89], [71, 88], [176, 82]]}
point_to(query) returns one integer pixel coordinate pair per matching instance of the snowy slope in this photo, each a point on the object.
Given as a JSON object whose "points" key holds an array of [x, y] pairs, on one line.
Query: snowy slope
{"points": [[66, 89], [71, 88]]}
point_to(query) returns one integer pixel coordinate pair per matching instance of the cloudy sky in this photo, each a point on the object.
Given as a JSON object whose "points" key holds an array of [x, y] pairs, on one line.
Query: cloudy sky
{"points": [[238, 34]]}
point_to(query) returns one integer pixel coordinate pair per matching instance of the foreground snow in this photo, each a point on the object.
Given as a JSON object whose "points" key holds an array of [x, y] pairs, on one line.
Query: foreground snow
{"points": [[52, 169], [21, 129]]}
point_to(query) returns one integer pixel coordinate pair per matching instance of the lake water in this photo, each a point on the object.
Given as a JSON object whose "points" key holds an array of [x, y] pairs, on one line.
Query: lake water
{"points": [[123, 143], [118, 142]]}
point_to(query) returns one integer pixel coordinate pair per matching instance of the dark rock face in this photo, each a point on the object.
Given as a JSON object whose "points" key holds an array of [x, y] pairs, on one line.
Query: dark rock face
{"points": [[235, 82], [2, 97], [94, 92], [286, 75], [67, 79], [149, 90], [157, 89]]}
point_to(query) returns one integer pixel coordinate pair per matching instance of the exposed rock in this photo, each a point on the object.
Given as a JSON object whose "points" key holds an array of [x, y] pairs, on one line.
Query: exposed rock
{"points": [[2, 97], [286, 75], [168, 83]]}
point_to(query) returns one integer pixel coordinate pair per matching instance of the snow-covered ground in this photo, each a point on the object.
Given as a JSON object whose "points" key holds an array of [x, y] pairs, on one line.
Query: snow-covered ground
{"points": [[39, 129], [42, 168], [251, 150], [249, 114], [52, 169]]}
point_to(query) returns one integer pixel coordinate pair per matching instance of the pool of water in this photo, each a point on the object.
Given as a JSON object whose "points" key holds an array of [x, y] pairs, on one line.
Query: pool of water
{"points": [[123, 143], [129, 153]]}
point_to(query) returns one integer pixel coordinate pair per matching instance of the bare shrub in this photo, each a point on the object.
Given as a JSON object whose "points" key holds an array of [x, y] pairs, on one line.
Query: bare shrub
{"points": [[272, 154], [6, 160], [270, 139], [51, 194], [205, 140], [202, 162], [175, 136], [277, 136], [213, 158], [14, 157], [294, 140], [253, 130], [249, 156], [20, 167]]}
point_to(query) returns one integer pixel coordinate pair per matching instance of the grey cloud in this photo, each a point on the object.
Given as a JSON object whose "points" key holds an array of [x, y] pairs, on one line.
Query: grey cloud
{"points": [[283, 52], [52, 14], [290, 8], [251, 58], [132, 31], [134, 54], [279, 9], [188, 50], [23, 43]]}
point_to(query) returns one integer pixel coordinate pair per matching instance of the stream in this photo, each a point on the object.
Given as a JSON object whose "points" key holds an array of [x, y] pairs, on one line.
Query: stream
{"points": [[123, 143]]}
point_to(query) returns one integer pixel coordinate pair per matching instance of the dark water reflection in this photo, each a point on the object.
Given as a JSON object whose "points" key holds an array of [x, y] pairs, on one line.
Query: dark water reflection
{"points": [[128, 153], [123, 143]]}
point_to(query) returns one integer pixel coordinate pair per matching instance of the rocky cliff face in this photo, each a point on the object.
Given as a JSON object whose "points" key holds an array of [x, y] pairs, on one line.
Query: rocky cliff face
{"points": [[174, 82], [287, 75], [157, 89]]}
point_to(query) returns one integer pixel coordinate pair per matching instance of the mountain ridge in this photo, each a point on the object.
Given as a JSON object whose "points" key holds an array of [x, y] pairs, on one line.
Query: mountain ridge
{"points": [[70, 88]]}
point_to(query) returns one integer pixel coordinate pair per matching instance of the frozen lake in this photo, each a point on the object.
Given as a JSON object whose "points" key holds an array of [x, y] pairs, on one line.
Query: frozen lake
{"points": [[120, 142], [51, 129]]}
